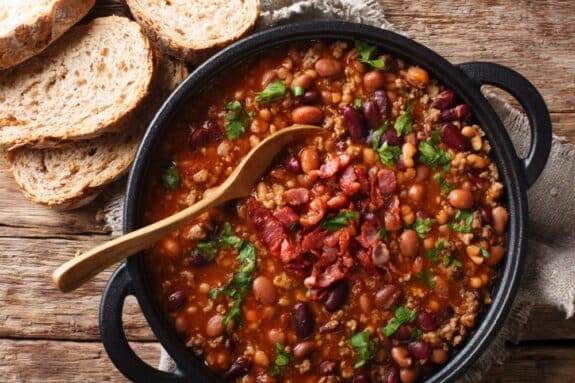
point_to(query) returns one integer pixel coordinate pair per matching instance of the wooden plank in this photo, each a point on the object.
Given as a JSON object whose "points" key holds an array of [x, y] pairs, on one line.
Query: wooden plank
{"points": [[56, 362]]}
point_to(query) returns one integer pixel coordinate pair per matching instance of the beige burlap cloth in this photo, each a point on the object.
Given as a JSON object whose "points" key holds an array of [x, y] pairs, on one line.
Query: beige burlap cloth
{"points": [[550, 271]]}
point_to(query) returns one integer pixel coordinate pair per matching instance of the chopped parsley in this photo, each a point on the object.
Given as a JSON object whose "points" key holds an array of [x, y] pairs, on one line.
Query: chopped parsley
{"points": [[171, 175], [357, 103], [208, 250], [484, 252], [273, 92], [462, 222], [430, 154], [402, 315], [443, 184], [422, 226], [388, 154], [427, 277], [416, 333], [365, 51], [364, 347], [238, 119], [404, 123], [433, 254], [240, 281], [448, 261], [298, 90], [382, 233], [282, 359], [339, 220]]}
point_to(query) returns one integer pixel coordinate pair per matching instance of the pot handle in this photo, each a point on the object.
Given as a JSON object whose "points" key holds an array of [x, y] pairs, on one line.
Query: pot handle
{"points": [[531, 101], [114, 338]]}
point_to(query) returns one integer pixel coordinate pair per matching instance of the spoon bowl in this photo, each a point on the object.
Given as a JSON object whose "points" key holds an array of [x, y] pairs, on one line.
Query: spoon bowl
{"points": [[75, 272]]}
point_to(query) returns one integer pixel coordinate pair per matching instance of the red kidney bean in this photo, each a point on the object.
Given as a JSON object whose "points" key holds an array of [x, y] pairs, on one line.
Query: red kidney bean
{"points": [[403, 332], [419, 349], [176, 300], [456, 113], [210, 131], [387, 297], [239, 368], [475, 178], [423, 214], [453, 138], [196, 258], [370, 113], [229, 344], [426, 321], [445, 313], [292, 164], [327, 367], [444, 100], [392, 375], [380, 98], [303, 318], [311, 97], [336, 296], [361, 378], [303, 349], [486, 216], [354, 122], [392, 138]]}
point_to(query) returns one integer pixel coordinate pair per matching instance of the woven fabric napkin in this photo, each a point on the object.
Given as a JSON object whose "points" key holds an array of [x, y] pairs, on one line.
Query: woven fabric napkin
{"points": [[549, 275]]}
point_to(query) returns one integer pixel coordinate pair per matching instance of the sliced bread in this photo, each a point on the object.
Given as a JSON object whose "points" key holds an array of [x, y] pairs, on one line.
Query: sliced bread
{"points": [[192, 29], [85, 84], [27, 27], [73, 175]]}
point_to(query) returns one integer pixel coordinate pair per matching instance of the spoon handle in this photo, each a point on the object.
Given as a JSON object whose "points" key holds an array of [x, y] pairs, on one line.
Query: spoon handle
{"points": [[78, 270]]}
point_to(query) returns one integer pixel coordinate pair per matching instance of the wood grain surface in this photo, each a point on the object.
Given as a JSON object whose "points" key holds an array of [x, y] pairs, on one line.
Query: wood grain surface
{"points": [[46, 336]]}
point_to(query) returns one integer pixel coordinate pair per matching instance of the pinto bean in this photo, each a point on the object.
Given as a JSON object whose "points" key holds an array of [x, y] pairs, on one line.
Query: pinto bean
{"points": [[307, 115], [303, 80], [495, 255], [408, 375], [309, 159], [264, 290], [387, 297], [439, 356], [303, 349], [409, 243], [417, 77], [421, 173], [373, 80], [276, 336], [215, 326], [416, 192], [401, 356], [328, 67], [460, 198], [500, 217]]}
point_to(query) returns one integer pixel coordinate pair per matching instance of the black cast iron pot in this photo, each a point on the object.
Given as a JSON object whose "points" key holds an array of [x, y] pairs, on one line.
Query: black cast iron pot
{"points": [[466, 79]]}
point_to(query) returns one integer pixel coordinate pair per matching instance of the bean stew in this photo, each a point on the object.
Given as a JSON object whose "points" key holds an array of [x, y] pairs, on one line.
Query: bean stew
{"points": [[365, 254]]}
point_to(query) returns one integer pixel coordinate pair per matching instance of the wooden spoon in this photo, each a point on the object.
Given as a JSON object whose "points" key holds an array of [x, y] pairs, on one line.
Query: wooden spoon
{"points": [[80, 269]]}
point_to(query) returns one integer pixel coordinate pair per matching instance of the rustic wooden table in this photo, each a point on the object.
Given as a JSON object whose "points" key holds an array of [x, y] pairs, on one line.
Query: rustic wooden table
{"points": [[46, 336]]}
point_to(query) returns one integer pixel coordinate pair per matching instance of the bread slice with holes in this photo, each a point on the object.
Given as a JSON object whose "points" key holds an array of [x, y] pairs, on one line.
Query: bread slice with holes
{"points": [[27, 27], [192, 29], [73, 175], [87, 83]]}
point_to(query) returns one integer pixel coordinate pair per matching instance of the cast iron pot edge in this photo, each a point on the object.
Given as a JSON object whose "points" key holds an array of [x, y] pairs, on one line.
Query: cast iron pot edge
{"points": [[510, 167]]}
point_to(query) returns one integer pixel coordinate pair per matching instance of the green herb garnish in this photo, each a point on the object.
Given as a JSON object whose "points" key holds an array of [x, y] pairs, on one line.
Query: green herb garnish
{"points": [[484, 252], [448, 261], [357, 103], [298, 90], [388, 154], [282, 359], [364, 347], [462, 222], [443, 184], [422, 226], [208, 250], [238, 119], [430, 154], [404, 123], [171, 175], [382, 233], [365, 51], [338, 221], [416, 333], [427, 277], [273, 92], [402, 315], [433, 254]]}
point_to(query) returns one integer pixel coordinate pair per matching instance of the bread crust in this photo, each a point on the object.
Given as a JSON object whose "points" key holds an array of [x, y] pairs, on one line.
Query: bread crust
{"points": [[171, 43], [31, 38]]}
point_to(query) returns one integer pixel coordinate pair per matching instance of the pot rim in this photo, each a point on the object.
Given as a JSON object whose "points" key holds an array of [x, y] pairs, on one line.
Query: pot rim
{"points": [[511, 173]]}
